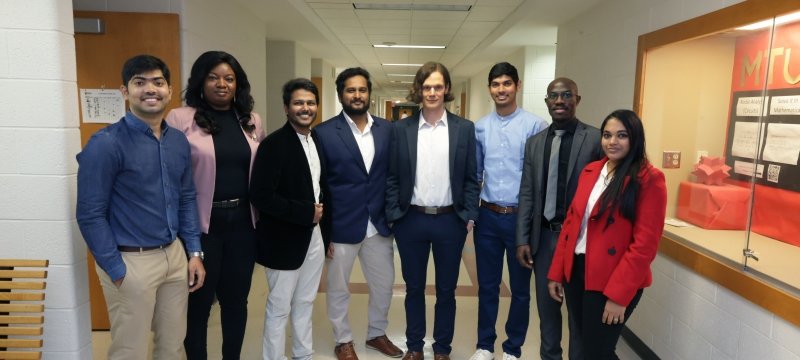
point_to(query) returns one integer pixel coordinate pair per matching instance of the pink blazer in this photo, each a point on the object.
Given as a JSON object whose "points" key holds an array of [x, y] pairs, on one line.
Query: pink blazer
{"points": [[204, 164]]}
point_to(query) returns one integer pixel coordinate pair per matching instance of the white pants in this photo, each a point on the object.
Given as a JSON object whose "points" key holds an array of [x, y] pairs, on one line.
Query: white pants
{"points": [[293, 291], [376, 254]]}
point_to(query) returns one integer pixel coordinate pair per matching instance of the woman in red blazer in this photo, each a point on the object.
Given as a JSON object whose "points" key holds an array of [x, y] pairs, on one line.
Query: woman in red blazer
{"points": [[224, 134], [610, 236]]}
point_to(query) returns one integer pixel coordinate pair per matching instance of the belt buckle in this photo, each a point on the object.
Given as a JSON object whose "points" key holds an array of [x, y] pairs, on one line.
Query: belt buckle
{"points": [[431, 210], [505, 210]]}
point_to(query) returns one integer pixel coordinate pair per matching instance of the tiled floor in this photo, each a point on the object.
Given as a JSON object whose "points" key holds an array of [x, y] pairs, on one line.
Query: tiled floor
{"points": [[466, 320]]}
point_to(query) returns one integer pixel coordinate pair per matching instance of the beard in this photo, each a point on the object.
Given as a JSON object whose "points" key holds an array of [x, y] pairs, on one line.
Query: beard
{"points": [[350, 110]]}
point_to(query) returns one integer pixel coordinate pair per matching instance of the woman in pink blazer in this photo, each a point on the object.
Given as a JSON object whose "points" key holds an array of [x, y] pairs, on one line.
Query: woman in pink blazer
{"points": [[610, 236], [224, 134]]}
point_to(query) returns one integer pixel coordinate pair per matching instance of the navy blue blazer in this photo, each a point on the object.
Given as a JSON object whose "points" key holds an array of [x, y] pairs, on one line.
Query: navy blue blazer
{"points": [[354, 195], [403, 167]]}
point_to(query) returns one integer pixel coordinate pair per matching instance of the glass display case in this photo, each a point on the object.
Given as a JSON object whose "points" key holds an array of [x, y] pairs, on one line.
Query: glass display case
{"points": [[720, 99]]}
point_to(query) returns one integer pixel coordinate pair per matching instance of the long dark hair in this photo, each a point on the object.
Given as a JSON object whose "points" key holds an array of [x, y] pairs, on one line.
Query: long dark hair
{"points": [[619, 195], [193, 95], [415, 95]]}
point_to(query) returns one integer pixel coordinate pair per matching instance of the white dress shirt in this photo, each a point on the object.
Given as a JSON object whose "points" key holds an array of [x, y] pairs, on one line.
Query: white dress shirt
{"points": [[366, 144], [313, 162], [599, 186], [432, 180]]}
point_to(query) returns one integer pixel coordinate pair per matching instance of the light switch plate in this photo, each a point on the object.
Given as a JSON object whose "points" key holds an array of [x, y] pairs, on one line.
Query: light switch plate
{"points": [[671, 160]]}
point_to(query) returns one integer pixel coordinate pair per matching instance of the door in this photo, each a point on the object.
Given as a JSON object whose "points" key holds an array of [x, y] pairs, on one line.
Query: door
{"points": [[99, 59]]}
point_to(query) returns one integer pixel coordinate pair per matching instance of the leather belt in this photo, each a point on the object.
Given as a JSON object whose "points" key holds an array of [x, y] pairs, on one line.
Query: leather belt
{"points": [[124, 248], [554, 227], [433, 210], [498, 208], [225, 204]]}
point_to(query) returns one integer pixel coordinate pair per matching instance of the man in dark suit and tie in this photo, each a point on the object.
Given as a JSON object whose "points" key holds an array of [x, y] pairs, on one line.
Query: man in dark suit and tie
{"points": [[286, 188], [553, 160], [432, 200], [355, 148]]}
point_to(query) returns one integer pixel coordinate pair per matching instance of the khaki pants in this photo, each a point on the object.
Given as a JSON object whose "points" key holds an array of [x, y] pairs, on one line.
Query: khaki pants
{"points": [[153, 297]]}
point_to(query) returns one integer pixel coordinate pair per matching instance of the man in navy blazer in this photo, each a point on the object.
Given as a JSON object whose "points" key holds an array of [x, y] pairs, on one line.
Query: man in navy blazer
{"points": [[432, 200], [355, 147]]}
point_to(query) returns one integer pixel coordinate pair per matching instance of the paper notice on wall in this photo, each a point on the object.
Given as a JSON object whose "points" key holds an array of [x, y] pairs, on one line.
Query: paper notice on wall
{"points": [[782, 143], [750, 106], [746, 139], [748, 169], [785, 105], [102, 106]]}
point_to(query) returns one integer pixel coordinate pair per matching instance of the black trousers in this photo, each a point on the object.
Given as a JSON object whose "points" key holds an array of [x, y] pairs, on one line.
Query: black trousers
{"points": [[586, 307], [230, 248]]}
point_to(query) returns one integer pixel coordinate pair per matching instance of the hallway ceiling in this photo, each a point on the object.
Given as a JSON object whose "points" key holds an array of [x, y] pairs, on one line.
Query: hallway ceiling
{"points": [[344, 36]]}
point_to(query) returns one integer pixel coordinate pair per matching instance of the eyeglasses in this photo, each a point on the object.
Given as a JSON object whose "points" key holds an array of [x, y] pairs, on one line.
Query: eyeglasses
{"points": [[435, 88], [566, 96]]}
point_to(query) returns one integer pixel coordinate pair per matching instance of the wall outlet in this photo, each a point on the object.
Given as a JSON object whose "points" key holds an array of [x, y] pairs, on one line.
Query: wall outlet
{"points": [[671, 160]]}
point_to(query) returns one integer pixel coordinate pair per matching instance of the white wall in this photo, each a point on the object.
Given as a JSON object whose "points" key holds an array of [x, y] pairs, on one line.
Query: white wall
{"points": [[205, 25], [39, 138], [540, 63], [683, 316]]}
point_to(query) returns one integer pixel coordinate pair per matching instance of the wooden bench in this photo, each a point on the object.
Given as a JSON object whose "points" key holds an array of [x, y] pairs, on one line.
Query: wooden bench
{"points": [[22, 284]]}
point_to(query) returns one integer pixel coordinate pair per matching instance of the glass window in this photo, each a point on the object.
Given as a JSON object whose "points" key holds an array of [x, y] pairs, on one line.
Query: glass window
{"points": [[722, 116]]}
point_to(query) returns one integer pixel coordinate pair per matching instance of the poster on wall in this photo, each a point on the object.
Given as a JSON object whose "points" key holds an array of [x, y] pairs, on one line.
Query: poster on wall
{"points": [[763, 139]]}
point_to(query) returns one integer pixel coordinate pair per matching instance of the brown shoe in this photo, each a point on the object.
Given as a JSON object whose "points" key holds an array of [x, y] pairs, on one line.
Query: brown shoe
{"points": [[441, 357], [413, 355], [345, 351], [385, 346]]}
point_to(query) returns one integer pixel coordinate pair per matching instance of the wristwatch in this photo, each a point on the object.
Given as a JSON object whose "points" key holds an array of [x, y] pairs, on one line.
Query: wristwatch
{"points": [[197, 254]]}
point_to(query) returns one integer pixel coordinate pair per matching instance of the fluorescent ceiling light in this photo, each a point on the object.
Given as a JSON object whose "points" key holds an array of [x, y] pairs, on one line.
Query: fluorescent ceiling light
{"points": [[401, 82], [422, 7], [409, 46], [401, 64], [400, 75], [780, 20]]}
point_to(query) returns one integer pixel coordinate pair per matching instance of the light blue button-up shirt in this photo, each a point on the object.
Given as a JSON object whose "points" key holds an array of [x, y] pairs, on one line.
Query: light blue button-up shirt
{"points": [[501, 149]]}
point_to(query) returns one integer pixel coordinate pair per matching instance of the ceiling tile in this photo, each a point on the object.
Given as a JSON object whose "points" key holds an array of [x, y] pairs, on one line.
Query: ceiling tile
{"points": [[384, 14], [336, 14], [478, 28], [490, 13]]}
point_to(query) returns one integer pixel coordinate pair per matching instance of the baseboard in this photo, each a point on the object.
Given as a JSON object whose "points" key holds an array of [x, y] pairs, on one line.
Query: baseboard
{"points": [[637, 345]]}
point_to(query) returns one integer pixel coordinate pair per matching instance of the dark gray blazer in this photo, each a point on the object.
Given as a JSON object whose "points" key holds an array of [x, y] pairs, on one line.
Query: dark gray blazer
{"points": [[585, 149], [403, 167]]}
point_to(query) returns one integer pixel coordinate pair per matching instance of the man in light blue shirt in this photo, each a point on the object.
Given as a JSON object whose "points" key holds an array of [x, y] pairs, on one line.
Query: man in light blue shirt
{"points": [[500, 139]]}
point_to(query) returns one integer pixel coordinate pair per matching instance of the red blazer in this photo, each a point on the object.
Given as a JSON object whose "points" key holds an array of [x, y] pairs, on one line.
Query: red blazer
{"points": [[618, 256]]}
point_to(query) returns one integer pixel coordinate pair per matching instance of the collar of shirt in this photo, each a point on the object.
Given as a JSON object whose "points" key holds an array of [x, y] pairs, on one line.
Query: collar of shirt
{"points": [[504, 119], [353, 125], [136, 123], [569, 126], [423, 123]]}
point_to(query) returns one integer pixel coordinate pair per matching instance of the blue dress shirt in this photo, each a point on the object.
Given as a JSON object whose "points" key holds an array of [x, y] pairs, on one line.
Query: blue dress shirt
{"points": [[134, 190], [501, 149]]}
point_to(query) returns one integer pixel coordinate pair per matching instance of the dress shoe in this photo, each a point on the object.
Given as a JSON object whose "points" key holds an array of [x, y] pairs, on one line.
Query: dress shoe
{"points": [[413, 355], [441, 357], [345, 351], [385, 346]]}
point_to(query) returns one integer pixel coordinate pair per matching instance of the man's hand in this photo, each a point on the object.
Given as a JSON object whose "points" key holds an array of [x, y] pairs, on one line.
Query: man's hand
{"points": [[329, 255], [197, 273], [556, 290], [118, 282], [317, 213], [524, 256]]}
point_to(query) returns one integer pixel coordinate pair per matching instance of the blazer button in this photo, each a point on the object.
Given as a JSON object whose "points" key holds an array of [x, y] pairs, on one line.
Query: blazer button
{"points": [[612, 251]]}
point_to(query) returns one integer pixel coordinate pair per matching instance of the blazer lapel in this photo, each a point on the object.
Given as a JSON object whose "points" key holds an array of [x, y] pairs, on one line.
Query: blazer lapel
{"points": [[577, 143], [452, 132], [377, 137], [346, 134], [412, 129]]}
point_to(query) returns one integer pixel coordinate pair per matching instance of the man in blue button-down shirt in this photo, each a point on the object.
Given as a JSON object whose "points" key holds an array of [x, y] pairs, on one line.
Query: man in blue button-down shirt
{"points": [[500, 143], [135, 197]]}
